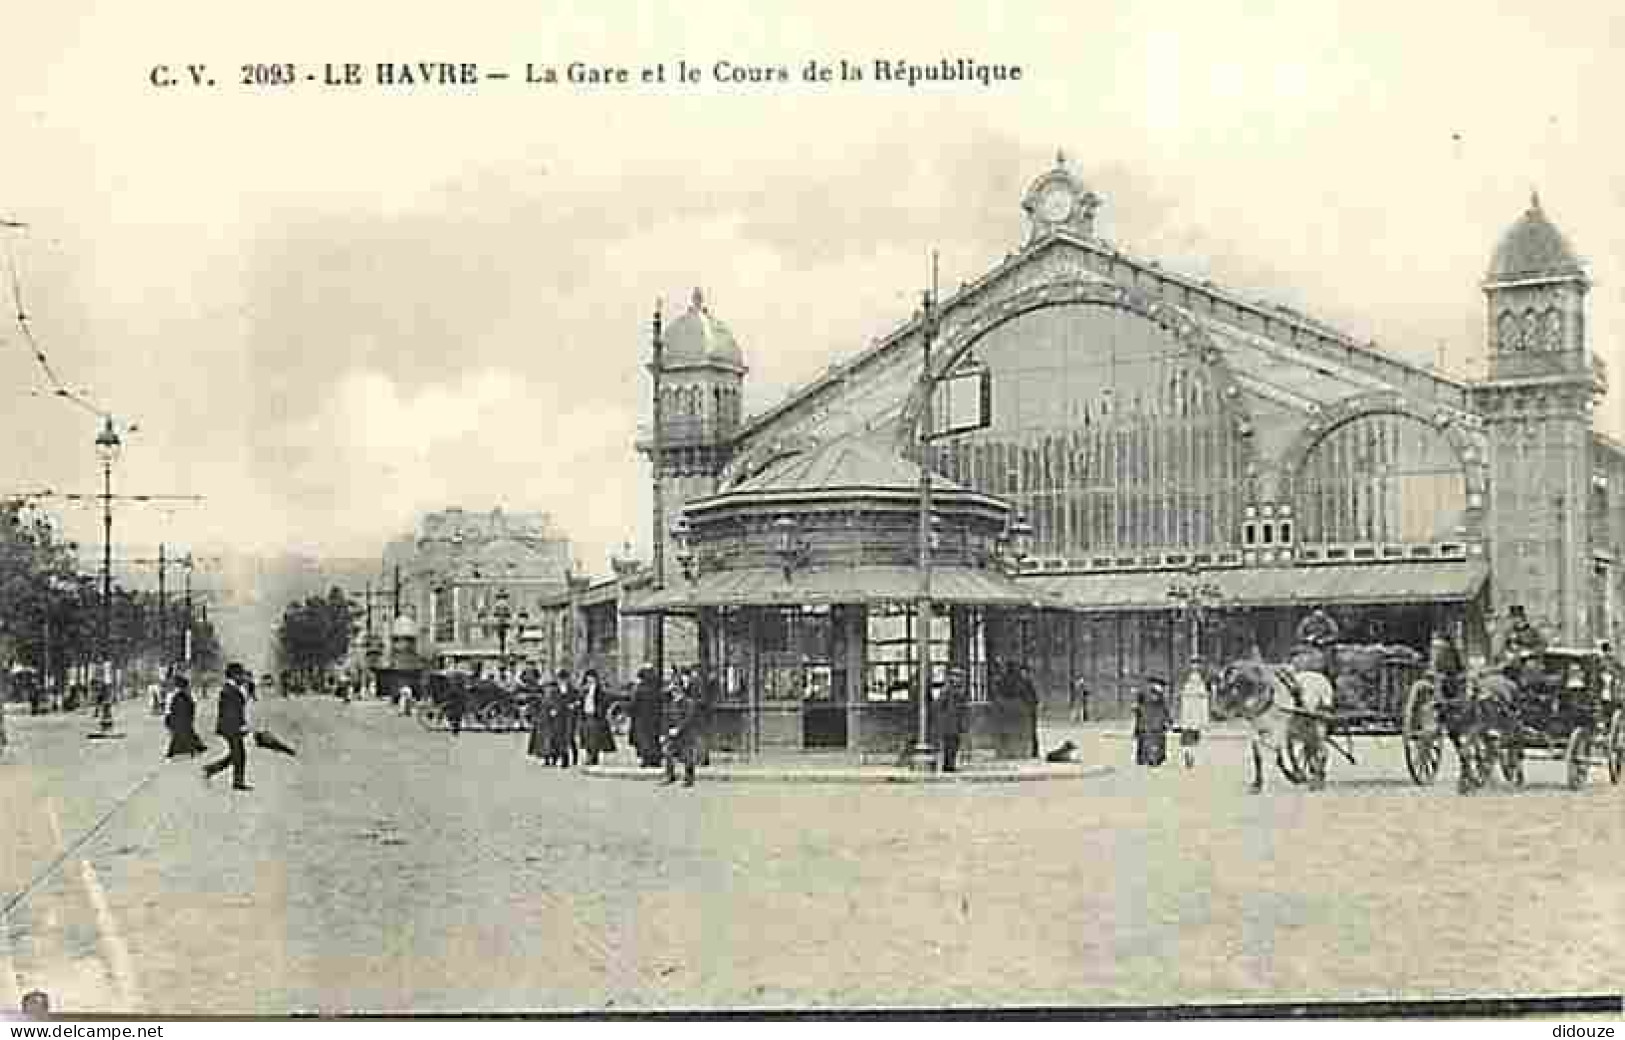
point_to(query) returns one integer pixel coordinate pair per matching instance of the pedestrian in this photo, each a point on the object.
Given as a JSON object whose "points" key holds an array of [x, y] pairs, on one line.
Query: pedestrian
{"points": [[950, 717], [155, 697], [536, 705], [456, 705], [1152, 734], [231, 722], [710, 691], [1193, 715], [552, 724], [569, 719], [647, 706], [3, 739], [1078, 703], [682, 723], [1027, 694], [181, 721], [102, 694], [596, 736]]}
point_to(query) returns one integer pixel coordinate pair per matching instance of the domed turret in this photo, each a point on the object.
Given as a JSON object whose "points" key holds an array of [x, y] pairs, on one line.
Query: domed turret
{"points": [[1535, 290], [696, 338], [1533, 247]]}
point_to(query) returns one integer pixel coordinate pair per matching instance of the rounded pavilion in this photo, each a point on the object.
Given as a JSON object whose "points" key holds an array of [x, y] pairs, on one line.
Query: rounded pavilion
{"points": [[804, 578]]}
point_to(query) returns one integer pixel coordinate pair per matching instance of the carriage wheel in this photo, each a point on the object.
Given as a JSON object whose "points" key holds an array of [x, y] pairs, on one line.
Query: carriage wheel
{"points": [[1579, 748], [430, 716], [1423, 736], [1512, 763], [1616, 747], [499, 717]]}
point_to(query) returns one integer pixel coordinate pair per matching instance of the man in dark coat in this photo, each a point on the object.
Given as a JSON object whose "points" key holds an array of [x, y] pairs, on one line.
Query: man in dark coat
{"points": [[182, 721], [950, 718], [647, 705], [683, 721], [1027, 694], [596, 736], [231, 722]]}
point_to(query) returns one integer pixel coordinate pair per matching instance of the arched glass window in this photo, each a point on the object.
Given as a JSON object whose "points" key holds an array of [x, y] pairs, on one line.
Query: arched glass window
{"points": [[1106, 432], [1381, 478]]}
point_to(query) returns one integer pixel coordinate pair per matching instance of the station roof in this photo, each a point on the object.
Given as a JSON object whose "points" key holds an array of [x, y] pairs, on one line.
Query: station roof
{"points": [[767, 586], [1349, 584], [846, 468]]}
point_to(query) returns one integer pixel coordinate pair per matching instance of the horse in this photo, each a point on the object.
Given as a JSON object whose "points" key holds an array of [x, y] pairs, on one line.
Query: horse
{"points": [[1485, 727], [1261, 693]]}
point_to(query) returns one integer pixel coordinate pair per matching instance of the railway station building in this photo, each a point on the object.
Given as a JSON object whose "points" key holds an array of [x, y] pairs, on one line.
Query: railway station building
{"points": [[1148, 425]]}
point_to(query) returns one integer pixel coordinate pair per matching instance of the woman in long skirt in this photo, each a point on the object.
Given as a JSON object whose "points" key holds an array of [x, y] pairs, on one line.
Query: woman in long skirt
{"points": [[536, 746], [182, 722], [648, 704]]}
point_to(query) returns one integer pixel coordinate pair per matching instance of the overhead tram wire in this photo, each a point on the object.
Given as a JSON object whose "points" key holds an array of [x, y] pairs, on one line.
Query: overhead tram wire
{"points": [[57, 387]]}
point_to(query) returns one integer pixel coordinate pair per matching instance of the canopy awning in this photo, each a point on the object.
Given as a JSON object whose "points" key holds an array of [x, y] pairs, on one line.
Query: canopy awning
{"points": [[1377, 583], [766, 586]]}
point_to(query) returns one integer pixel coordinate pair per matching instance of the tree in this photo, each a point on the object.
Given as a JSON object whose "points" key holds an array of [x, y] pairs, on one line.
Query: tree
{"points": [[314, 635], [46, 606]]}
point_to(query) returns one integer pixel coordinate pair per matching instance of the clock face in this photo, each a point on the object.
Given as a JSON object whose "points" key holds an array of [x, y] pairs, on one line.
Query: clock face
{"points": [[1055, 203]]}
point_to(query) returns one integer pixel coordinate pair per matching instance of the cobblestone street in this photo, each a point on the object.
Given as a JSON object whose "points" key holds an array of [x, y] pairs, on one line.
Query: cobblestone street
{"points": [[394, 868]]}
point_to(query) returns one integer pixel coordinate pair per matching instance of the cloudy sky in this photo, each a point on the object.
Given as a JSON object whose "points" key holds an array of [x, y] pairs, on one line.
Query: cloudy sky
{"points": [[330, 309]]}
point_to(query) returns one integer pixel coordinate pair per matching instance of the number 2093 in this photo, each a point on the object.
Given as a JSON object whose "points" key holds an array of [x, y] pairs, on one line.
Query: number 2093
{"points": [[257, 75]]}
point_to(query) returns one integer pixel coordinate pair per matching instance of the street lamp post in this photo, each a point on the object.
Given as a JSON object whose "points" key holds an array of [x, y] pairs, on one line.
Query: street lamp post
{"points": [[502, 618], [924, 754], [108, 446], [1195, 598]]}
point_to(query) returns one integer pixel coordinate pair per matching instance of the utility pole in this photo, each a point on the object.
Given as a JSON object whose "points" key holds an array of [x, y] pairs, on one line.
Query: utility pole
{"points": [[657, 620], [108, 447], [924, 753], [163, 614], [163, 561]]}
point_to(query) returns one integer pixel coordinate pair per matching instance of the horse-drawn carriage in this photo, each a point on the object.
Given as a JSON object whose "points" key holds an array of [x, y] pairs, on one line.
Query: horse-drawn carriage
{"points": [[1561, 704], [1323, 697], [486, 704]]}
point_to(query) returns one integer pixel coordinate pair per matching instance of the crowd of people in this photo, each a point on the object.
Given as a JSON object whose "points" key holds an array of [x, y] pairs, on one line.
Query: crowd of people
{"points": [[572, 720], [569, 720]]}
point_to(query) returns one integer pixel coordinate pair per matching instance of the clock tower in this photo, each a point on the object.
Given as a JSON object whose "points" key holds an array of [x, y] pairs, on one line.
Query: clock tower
{"points": [[1537, 404], [1058, 201]]}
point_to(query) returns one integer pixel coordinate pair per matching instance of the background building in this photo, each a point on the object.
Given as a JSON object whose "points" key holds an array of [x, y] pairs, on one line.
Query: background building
{"points": [[479, 583]]}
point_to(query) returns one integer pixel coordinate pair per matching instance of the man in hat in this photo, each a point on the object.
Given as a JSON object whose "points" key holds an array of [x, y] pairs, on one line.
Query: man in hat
{"points": [[682, 722], [1521, 650], [231, 722], [1151, 719], [1317, 629], [950, 718], [1522, 638]]}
